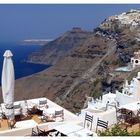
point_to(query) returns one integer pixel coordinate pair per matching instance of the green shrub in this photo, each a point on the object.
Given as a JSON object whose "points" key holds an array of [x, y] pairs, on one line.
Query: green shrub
{"points": [[117, 131]]}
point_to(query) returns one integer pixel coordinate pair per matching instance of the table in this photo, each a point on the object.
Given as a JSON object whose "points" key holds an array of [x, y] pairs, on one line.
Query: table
{"points": [[74, 130], [26, 123], [50, 111], [30, 105]]}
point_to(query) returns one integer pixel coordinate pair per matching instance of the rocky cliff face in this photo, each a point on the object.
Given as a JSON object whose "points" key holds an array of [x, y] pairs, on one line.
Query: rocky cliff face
{"points": [[55, 50], [55, 82], [125, 29], [88, 68]]}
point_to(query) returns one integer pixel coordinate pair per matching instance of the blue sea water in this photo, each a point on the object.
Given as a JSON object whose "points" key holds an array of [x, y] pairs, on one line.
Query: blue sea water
{"points": [[20, 53]]}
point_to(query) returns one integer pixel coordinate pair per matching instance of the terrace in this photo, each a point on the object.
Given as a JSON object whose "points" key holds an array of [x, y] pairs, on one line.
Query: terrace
{"points": [[31, 114]]}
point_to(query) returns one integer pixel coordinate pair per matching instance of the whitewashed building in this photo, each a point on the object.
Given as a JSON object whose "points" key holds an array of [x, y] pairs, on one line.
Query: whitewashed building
{"points": [[135, 61], [130, 92], [105, 108]]}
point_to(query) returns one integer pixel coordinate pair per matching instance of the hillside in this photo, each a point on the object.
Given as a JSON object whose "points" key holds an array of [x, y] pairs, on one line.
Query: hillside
{"points": [[87, 69], [55, 50]]}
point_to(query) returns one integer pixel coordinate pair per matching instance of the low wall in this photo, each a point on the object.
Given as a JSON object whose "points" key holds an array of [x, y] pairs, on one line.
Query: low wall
{"points": [[109, 115]]}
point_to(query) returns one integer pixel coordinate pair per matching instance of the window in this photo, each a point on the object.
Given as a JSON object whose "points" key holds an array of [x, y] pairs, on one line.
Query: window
{"points": [[136, 61]]}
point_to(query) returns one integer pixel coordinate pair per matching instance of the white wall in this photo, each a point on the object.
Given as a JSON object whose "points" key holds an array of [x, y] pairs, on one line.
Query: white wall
{"points": [[109, 115], [124, 98]]}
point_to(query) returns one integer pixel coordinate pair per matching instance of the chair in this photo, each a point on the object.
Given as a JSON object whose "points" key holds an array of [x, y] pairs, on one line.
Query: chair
{"points": [[26, 110], [43, 103], [59, 115], [37, 132], [40, 132], [45, 118], [28, 107], [54, 133], [2, 114], [26, 104], [101, 123], [34, 133], [17, 109], [32, 108], [88, 119], [35, 110]]}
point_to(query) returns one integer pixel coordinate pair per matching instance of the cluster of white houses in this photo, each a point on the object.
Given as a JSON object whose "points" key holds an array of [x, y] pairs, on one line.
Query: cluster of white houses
{"points": [[105, 107], [132, 17]]}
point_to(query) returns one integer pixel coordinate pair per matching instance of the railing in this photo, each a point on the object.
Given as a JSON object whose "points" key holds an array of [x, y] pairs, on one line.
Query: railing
{"points": [[112, 105]]}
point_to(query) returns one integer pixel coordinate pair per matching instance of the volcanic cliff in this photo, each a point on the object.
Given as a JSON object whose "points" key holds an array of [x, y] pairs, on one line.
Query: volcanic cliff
{"points": [[55, 50]]}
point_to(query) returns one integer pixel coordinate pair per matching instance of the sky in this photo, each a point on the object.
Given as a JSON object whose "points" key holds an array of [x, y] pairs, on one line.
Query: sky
{"points": [[49, 21]]}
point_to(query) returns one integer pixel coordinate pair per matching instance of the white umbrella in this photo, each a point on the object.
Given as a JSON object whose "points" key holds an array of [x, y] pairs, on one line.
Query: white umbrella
{"points": [[8, 79]]}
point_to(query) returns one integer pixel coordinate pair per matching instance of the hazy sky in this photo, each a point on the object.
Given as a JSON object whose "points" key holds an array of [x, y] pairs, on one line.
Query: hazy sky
{"points": [[19, 22]]}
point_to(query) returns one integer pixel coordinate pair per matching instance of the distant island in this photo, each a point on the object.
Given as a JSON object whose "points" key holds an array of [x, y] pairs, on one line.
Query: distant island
{"points": [[36, 41]]}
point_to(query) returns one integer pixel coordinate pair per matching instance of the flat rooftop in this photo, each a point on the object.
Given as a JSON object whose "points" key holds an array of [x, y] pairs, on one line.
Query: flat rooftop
{"points": [[24, 124]]}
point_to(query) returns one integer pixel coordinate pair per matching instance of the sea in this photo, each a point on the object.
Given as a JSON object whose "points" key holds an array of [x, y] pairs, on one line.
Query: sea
{"points": [[20, 55]]}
